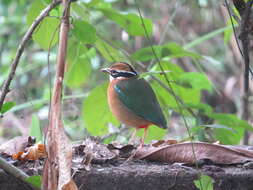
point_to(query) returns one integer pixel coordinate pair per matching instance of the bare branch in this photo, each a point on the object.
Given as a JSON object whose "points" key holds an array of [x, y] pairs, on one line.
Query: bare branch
{"points": [[25, 39], [57, 170], [10, 169]]}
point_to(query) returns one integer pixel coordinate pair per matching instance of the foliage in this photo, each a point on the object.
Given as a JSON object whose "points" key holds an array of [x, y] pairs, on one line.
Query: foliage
{"points": [[45, 35], [35, 129], [204, 182], [103, 32], [7, 106], [95, 111], [35, 180]]}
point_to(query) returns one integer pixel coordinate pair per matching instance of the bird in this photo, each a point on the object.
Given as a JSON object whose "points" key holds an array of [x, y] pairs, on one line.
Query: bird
{"points": [[132, 100]]}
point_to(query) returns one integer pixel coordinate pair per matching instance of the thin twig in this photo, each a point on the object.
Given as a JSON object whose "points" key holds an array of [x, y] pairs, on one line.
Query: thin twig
{"points": [[26, 38], [233, 26]]}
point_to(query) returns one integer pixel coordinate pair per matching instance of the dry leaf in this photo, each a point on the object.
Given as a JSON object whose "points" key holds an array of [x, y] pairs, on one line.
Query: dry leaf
{"points": [[164, 142], [121, 150], [16, 145], [183, 153], [70, 186], [34, 152]]}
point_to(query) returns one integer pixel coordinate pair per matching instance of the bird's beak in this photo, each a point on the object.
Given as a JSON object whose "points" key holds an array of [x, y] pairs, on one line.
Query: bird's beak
{"points": [[106, 70]]}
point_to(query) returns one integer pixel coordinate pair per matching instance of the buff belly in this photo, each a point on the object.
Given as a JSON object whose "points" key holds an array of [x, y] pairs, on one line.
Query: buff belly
{"points": [[121, 112]]}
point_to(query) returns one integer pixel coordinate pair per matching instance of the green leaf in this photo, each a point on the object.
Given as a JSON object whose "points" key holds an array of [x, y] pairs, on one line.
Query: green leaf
{"points": [[147, 53], [84, 31], [227, 34], [175, 70], [47, 1], [232, 121], [144, 74], [229, 31], [154, 133], [108, 52], [204, 182], [96, 113], [94, 3], [186, 95], [7, 106], [34, 11], [81, 11], [99, 4], [78, 62], [35, 180], [135, 27], [75, 49], [195, 80], [171, 50], [202, 108], [227, 137], [78, 73], [35, 129], [201, 39], [45, 34], [215, 126], [131, 23]]}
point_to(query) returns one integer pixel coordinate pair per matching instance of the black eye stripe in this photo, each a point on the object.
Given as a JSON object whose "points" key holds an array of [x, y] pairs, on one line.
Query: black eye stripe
{"points": [[116, 74]]}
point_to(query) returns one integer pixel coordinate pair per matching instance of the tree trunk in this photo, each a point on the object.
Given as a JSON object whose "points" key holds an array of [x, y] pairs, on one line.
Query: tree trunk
{"points": [[137, 175]]}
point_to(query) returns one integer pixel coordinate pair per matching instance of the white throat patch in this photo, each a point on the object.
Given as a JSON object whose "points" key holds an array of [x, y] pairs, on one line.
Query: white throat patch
{"points": [[118, 78], [111, 78]]}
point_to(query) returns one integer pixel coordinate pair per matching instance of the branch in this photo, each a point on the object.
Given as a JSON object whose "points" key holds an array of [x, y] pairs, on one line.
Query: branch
{"points": [[25, 39], [57, 170], [10, 169], [244, 37]]}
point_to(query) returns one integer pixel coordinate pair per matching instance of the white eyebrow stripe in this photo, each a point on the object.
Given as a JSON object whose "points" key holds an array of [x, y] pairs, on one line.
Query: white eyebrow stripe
{"points": [[129, 72]]}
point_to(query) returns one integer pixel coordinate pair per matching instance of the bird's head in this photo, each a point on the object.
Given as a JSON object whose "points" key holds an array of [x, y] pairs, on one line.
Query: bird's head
{"points": [[120, 70]]}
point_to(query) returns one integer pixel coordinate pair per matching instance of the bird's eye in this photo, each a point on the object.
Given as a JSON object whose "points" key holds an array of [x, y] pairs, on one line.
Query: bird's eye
{"points": [[113, 72]]}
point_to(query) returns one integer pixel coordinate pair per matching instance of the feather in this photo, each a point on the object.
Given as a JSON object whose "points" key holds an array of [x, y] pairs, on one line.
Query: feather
{"points": [[138, 96]]}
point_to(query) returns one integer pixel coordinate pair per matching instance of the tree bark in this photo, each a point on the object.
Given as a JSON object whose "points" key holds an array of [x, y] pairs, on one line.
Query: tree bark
{"points": [[149, 176]]}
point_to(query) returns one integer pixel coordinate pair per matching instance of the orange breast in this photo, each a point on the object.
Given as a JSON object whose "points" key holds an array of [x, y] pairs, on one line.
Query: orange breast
{"points": [[121, 112]]}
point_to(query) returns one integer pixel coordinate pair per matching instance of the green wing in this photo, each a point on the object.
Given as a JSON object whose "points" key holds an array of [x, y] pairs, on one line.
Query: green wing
{"points": [[138, 96]]}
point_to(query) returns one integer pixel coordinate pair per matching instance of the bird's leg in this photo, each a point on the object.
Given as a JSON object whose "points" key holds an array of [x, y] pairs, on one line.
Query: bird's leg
{"points": [[144, 136], [142, 140], [133, 135]]}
